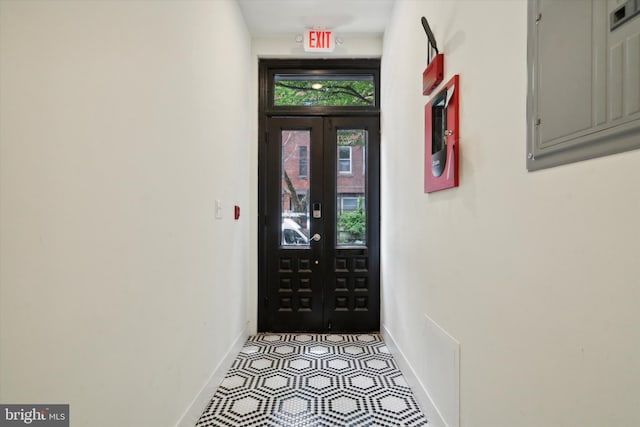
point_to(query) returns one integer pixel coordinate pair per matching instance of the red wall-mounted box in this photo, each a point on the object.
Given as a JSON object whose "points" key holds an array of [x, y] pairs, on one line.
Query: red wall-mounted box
{"points": [[441, 138], [433, 74]]}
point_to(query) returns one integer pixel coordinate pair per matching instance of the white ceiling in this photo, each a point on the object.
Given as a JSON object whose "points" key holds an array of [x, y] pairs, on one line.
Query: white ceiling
{"points": [[265, 17]]}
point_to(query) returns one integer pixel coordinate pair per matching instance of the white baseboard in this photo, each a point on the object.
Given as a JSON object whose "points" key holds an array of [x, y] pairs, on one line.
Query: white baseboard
{"points": [[191, 416], [434, 417]]}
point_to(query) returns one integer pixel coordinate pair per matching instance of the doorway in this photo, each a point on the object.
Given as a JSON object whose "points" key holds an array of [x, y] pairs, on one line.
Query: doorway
{"points": [[319, 197]]}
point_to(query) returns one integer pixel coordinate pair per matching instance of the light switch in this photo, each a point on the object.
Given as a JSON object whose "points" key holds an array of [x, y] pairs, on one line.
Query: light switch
{"points": [[218, 209]]}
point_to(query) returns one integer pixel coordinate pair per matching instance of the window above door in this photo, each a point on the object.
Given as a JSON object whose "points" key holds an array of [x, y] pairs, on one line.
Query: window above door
{"points": [[317, 87], [332, 90]]}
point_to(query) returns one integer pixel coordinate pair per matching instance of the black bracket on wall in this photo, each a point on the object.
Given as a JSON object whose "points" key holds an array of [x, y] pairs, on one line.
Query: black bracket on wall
{"points": [[432, 40]]}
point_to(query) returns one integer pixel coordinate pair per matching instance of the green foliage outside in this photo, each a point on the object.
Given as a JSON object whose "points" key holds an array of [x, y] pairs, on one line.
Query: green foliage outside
{"points": [[351, 137], [353, 222], [334, 93]]}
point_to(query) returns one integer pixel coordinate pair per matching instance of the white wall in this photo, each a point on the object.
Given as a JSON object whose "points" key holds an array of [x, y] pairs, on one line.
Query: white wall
{"points": [[536, 274], [120, 123]]}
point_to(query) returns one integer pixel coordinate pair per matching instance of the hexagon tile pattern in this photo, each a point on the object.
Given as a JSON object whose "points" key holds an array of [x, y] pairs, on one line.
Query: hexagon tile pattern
{"points": [[295, 380]]}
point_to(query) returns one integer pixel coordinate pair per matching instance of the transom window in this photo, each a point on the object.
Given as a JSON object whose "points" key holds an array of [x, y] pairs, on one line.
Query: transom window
{"points": [[320, 87], [334, 90]]}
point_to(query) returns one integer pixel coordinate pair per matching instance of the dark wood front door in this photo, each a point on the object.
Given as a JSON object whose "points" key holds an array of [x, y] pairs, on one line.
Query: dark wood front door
{"points": [[321, 225]]}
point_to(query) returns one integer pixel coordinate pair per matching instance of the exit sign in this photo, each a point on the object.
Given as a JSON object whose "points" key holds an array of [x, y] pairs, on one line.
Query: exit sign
{"points": [[318, 41]]}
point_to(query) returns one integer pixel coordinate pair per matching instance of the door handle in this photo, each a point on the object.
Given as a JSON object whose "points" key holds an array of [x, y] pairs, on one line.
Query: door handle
{"points": [[316, 237]]}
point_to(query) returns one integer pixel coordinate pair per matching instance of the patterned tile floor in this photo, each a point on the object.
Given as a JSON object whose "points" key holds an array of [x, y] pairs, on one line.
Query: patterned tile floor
{"points": [[313, 380]]}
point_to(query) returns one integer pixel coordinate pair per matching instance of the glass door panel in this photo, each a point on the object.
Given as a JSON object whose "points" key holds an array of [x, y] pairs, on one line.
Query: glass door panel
{"points": [[351, 187], [295, 185]]}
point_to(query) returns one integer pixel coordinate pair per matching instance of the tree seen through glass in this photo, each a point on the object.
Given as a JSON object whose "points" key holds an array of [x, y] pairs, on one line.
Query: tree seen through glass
{"points": [[352, 91]]}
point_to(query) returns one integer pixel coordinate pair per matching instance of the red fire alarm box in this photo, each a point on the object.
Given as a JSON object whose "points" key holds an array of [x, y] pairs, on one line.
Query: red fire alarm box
{"points": [[441, 138], [236, 212], [433, 74]]}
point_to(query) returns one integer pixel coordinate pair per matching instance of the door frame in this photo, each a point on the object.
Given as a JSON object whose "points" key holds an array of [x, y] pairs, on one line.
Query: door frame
{"points": [[267, 69]]}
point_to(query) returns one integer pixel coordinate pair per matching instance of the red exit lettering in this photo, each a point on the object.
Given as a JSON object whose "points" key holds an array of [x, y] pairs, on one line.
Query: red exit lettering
{"points": [[319, 40]]}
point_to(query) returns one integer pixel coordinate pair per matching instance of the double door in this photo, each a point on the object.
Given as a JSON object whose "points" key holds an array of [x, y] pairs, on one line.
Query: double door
{"points": [[321, 225]]}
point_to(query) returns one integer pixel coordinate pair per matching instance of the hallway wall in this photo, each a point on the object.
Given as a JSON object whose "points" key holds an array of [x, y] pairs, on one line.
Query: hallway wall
{"points": [[535, 274], [120, 124]]}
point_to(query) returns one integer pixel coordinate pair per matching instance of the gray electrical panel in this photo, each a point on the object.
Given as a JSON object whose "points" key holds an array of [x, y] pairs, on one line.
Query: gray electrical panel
{"points": [[584, 80]]}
